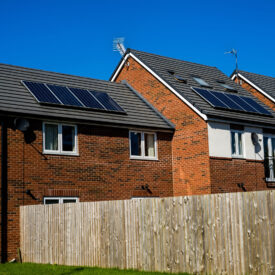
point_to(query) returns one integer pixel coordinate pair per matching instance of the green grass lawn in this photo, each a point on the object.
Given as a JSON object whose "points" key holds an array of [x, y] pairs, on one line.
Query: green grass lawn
{"points": [[41, 269]]}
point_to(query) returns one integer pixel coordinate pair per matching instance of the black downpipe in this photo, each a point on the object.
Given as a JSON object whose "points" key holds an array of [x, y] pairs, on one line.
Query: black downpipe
{"points": [[4, 192]]}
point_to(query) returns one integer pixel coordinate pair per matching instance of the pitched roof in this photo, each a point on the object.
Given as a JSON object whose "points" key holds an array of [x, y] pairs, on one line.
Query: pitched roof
{"points": [[16, 99], [161, 66], [265, 83]]}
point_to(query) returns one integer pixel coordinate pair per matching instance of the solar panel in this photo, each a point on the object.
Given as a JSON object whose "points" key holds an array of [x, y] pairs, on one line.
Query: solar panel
{"points": [[255, 105], [64, 95], [86, 98], [241, 102], [231, 102], [210, 98], [41, 92], [107, 101]]}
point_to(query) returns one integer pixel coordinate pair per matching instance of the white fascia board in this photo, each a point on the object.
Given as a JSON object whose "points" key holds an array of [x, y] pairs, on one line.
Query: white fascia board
{"points": [[254, 86], [203, 116], [120, 67]]}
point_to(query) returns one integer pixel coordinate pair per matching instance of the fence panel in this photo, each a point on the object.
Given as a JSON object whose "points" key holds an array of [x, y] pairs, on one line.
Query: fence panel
{"points": [[230, 233]]}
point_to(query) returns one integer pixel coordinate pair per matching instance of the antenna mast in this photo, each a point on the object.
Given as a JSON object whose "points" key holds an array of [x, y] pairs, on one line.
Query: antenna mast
{"points": [[118, 45], [234, 53]]}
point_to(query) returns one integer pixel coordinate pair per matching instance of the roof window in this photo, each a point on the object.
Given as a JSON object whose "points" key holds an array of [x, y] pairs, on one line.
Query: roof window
{"points": [[171, 72], [200, 81], [226, 86], [180, 79]]}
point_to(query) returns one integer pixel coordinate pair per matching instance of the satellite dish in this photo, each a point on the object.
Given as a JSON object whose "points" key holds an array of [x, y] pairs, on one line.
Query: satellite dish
{"points": [[254, 138], [21, 124]]}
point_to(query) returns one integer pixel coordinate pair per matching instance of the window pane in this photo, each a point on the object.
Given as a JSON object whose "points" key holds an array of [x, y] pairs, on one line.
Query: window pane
{"points": [[69, 200], [265, 147], [68, 138], [201, 81], [240, 144], [135, 144], [233, 143], [51, 137], [271, 162], [273, 147], [149, 145], [51, 201], [266, 158]]}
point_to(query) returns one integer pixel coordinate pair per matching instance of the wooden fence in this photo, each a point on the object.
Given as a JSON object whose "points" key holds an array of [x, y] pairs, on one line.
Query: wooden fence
{"points": [[211, 234]]}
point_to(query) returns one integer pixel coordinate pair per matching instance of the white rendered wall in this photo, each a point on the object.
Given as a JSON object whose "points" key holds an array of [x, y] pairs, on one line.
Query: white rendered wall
{"points": [[251, 151], [219, 140]]}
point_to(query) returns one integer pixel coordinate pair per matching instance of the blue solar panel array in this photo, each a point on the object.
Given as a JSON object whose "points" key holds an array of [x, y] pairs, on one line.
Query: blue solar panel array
{"points": [[106, 101], [231, 102], [65, 96], [42, 93]]}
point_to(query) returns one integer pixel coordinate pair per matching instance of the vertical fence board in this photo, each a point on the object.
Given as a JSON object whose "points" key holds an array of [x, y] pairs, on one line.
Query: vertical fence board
{"points": [[213, 234]]}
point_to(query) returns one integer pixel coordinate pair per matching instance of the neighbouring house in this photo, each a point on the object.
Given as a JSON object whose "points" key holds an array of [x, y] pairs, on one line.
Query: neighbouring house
{"points": [[262, 87], [219, 137], [66, 139]]}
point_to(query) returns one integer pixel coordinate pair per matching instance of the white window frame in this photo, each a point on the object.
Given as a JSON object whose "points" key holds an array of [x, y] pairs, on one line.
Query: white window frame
{"points": [[60, 145], [237, 154], [61, 199], [271, 162], [143, 157]]}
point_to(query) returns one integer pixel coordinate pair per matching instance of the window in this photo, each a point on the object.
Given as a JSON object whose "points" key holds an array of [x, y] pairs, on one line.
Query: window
{"points": [[201, 82], [59, 139], [180, 79], [226, 86], [143, 145], [57, 200], [236, 143], [269, 154], [171, 72]]}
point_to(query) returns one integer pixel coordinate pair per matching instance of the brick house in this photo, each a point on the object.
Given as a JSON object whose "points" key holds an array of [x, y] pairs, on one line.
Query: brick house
{"points": [[262, 87], [218, 141], [66, 138]]}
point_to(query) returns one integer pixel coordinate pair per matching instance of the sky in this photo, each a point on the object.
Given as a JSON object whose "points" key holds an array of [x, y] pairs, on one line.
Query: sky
{"points": [[76, 37]]}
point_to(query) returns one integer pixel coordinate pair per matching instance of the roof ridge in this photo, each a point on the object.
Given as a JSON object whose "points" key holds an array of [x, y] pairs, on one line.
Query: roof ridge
{"points": [[171, 58], [273, 77], [58, 73]]}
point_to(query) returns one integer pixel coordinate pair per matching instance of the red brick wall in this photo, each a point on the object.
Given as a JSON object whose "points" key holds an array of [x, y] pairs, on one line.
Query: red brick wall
{"points": [[227, 174], [191, 171], [257, 94], [102, 171]]}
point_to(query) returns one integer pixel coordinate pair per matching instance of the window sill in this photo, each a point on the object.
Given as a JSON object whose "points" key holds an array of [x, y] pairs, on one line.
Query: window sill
{"points": [[270, 182], [143, 158], [237, 157], [61, 154]]}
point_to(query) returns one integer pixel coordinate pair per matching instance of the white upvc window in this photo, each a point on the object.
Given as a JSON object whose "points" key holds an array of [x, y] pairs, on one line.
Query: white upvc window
{"points": [[59, 138], [269, 155], [237, 144], [143, 145], [58, 200]]}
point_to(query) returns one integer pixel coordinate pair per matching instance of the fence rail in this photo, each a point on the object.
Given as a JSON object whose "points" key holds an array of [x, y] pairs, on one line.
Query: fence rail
{"points": [[214, 234]]}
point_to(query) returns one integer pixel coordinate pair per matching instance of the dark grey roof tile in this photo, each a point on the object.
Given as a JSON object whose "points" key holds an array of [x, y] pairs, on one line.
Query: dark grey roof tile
{"points": [[266, 83], [162, 65], [15, 98]]}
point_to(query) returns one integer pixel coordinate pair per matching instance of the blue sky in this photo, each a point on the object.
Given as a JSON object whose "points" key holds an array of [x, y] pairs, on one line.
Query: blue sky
{"points": [[75, 37]]}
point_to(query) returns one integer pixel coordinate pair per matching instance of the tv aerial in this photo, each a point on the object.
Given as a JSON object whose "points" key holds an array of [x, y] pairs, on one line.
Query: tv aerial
{"points": [[118, 45], [235, 54]]}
